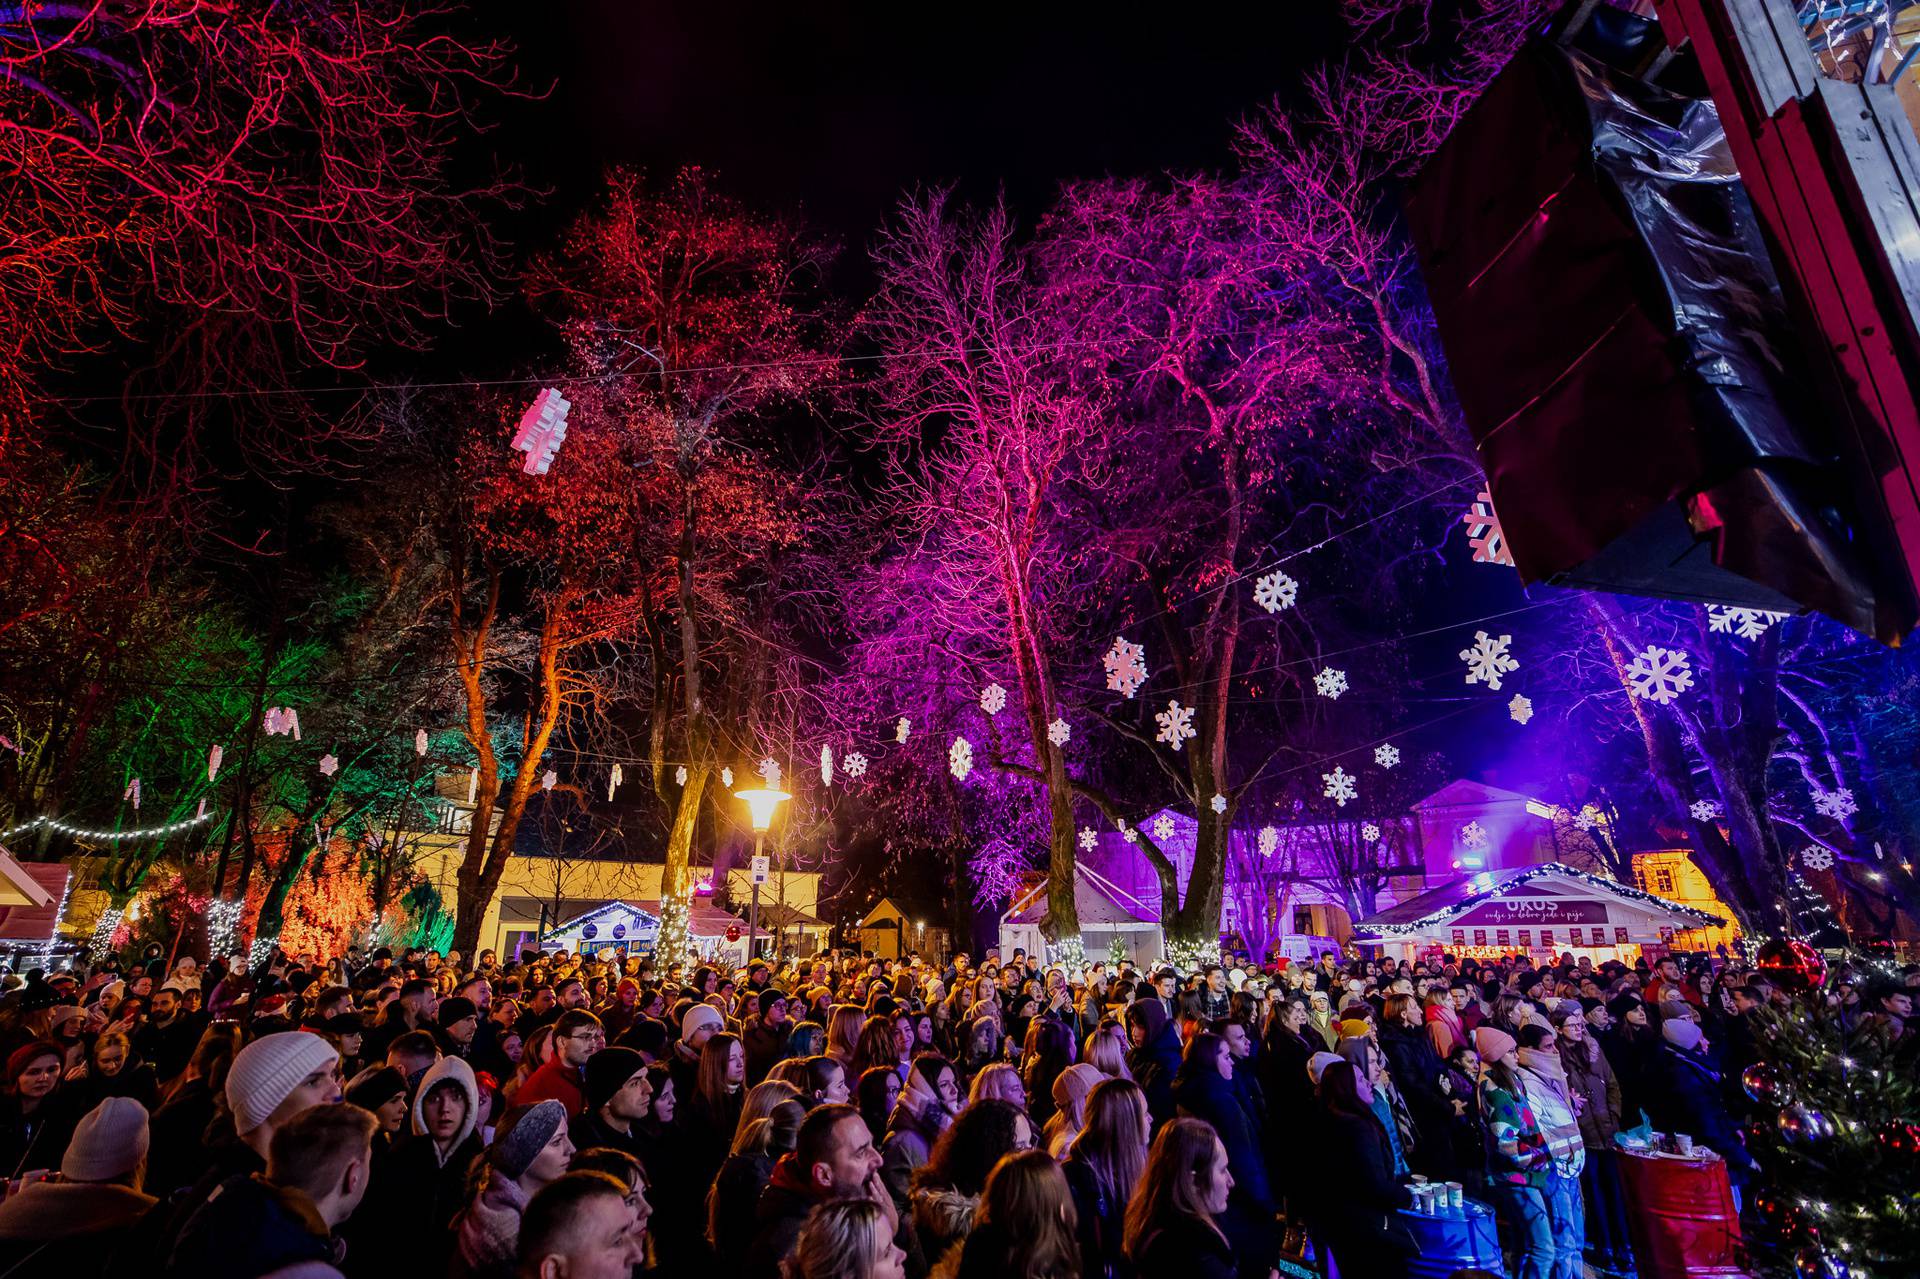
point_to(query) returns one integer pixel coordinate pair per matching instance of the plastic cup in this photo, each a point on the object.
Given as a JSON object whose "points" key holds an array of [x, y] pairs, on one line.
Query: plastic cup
{"points": [[1682, 1143], [1456, 1195]]}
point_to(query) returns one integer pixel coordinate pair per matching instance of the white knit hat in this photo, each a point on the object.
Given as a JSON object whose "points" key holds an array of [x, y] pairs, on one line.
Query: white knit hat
{"points": [[270, 1068], [700, 1015], [109, 1143]]}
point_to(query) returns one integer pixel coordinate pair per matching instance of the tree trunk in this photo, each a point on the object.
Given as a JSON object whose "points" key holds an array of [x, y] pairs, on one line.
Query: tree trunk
{"points": [[676, 880]]}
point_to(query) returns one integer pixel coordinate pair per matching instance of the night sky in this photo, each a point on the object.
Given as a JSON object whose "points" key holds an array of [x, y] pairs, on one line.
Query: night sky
{"points": [[835, 110]]}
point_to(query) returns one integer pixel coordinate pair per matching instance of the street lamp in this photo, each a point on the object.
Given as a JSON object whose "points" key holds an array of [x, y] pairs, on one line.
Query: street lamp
{"points": [[762, 803]]}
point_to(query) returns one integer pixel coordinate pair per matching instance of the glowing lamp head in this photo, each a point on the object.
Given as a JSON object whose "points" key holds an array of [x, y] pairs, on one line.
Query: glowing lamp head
{"points": [[761, 804]]}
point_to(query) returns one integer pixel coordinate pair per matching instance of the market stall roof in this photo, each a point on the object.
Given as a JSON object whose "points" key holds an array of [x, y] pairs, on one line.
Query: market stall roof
{"points": [[1551, 896], [1098, 900], [20, 886], [780, 915]]}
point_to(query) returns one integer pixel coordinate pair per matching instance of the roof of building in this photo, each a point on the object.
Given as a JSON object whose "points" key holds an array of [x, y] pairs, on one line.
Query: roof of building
{"points": [[1440, 907]]}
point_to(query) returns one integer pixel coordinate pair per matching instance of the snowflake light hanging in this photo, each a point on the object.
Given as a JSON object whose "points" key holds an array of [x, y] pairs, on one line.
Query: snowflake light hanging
{"points": [[1587, 819], [1088, 838], [329, 765], [1218, 803], [1473, 835], [1370, 833], [473, 784], [1520, 708], [855, 764], [1126, 666], [549, 779], [1129, 834], [769, 770], [1162, 828], [420, 741], [960, 758], [902, 730], [1814, 857], [1386, 756], [1703, 810], [614, 778], [826, 765], [1269, 841], [214, 755], [1059, 732], [1176, 724], [132, 794], [1747, 623], [1659, 675], [1339, 786], [726, 778], [1837, 804], [680, 776], [993, 699], [1484, 534], [1330, 683], [1488, 660], [1275, 591]]}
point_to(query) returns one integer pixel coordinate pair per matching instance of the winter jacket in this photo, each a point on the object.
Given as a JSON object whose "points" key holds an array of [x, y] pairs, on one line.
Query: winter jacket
{"points": [[1156, 1061], [74, 1230], [1185, 1248], [488, 1230], [1591, 1083], [777, 1218], [1688, 1099], [1517, 1149], [1634, 1054], [679, 1220], [175, 1155], [917, 1120], [250, 1227], [1101, 1222], [559, 1082], [1417, 1071], [765, 1045], [1444, 1030], [1359, 1197], [35, 1142], [1546, 1084], [732, 1206], [589, 1130]]}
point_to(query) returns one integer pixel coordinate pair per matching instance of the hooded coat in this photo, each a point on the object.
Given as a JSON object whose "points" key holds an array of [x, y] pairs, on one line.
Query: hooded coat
{"points": [[1201, 1092], [418, 1189], [1156, 1061], [70, 1230], [917, 1120]]}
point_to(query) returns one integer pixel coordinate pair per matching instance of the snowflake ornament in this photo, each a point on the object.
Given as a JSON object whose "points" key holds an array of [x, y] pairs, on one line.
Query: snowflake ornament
{"points": [[1218, 803], [329, 765], [902, 730], [726, 778], [1386, 756], [826, 765], [214, 755], [1837, 804], [1339, 786], [1703, 810], [1276, 591], [614, 779], [855, 764], [1129, 834], [1269, 841], [993, 699], [1587, 819], [1473, 835], [132, 794], [1484, 534], [1163, 828], [1747, 623], [680, 776], [1814, 857], [1176, 724], [1088, 838], [1520, 708], [1126, 666], [960, 758], [549, 779], [1330, 683], [420, 741], [769, 770], [1370, 833], [1659, 675], [1488, 660], [1059, 732]]}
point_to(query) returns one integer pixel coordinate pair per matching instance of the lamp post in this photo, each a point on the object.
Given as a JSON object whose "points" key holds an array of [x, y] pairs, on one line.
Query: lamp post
{"points": [[762, 802]]}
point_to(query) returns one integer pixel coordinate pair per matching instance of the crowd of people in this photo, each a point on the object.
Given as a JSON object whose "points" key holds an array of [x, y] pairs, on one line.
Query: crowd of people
{"points": [[572, 1117]]}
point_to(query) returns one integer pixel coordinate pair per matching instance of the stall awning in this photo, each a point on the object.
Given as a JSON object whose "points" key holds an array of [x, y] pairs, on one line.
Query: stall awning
{"points": [[1547, 905]]}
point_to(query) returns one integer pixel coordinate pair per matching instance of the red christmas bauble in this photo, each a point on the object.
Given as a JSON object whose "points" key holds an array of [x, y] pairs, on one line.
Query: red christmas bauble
{"points": [[1793, 965], [1901, 1137], [733, 932]]}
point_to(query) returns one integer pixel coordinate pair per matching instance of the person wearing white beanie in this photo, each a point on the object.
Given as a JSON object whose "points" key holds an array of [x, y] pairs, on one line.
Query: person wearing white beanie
{"points": [[276, 1077], [79, 1222]]}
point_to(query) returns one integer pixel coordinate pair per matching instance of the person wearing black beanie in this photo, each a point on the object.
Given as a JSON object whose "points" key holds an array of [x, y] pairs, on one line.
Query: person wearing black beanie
{"points": [[617, 1094]]}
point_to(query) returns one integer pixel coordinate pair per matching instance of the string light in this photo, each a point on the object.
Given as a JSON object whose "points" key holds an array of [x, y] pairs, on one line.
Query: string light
{"points": [[80, 832], [1487, 888]]}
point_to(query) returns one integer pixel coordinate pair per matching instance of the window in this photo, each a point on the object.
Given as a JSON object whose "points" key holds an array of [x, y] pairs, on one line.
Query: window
{"points": [[1303, 920], [1663, 882]]}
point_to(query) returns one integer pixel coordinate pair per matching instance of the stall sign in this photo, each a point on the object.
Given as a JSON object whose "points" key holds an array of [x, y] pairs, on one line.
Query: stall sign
{"points": [[1537, 910], [1479, 936], [1574, 937], [1502, 937], [1546, 938], [1526, 939], [1459, 936], [1619, 937]]}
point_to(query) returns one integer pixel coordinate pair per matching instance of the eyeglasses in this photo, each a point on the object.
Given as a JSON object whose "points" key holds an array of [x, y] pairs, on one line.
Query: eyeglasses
{"points": [[588, 1036]]}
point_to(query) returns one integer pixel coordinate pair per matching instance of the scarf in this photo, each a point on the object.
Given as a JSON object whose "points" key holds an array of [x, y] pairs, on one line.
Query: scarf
{"points": [[1553, 1107]]}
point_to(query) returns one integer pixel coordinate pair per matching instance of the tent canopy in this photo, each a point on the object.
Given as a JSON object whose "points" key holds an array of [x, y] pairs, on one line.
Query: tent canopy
{"points": [[1555, 902]]}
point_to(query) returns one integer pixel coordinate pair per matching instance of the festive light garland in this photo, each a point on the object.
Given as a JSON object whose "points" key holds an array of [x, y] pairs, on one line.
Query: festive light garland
{"points": [[223, 921], [82, 833], [1515, 880], [103, 930]]}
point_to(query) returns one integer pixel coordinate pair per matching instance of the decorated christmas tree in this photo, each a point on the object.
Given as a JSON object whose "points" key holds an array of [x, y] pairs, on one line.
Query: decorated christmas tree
{"points": [[1835, 1126]]}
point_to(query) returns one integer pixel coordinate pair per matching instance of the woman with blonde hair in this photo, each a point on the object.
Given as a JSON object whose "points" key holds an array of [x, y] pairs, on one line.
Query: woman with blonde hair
{"points": [[1170, 1230], [999, 1080], [762, 1100], [1107, 1050], [874, 1049], [769, 1128], [844, 1025], [1026, 1225], [845, 1239]]}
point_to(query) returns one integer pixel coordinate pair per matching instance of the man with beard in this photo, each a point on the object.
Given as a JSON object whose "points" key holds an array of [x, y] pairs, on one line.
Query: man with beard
{"points": [[167, 1039]]}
